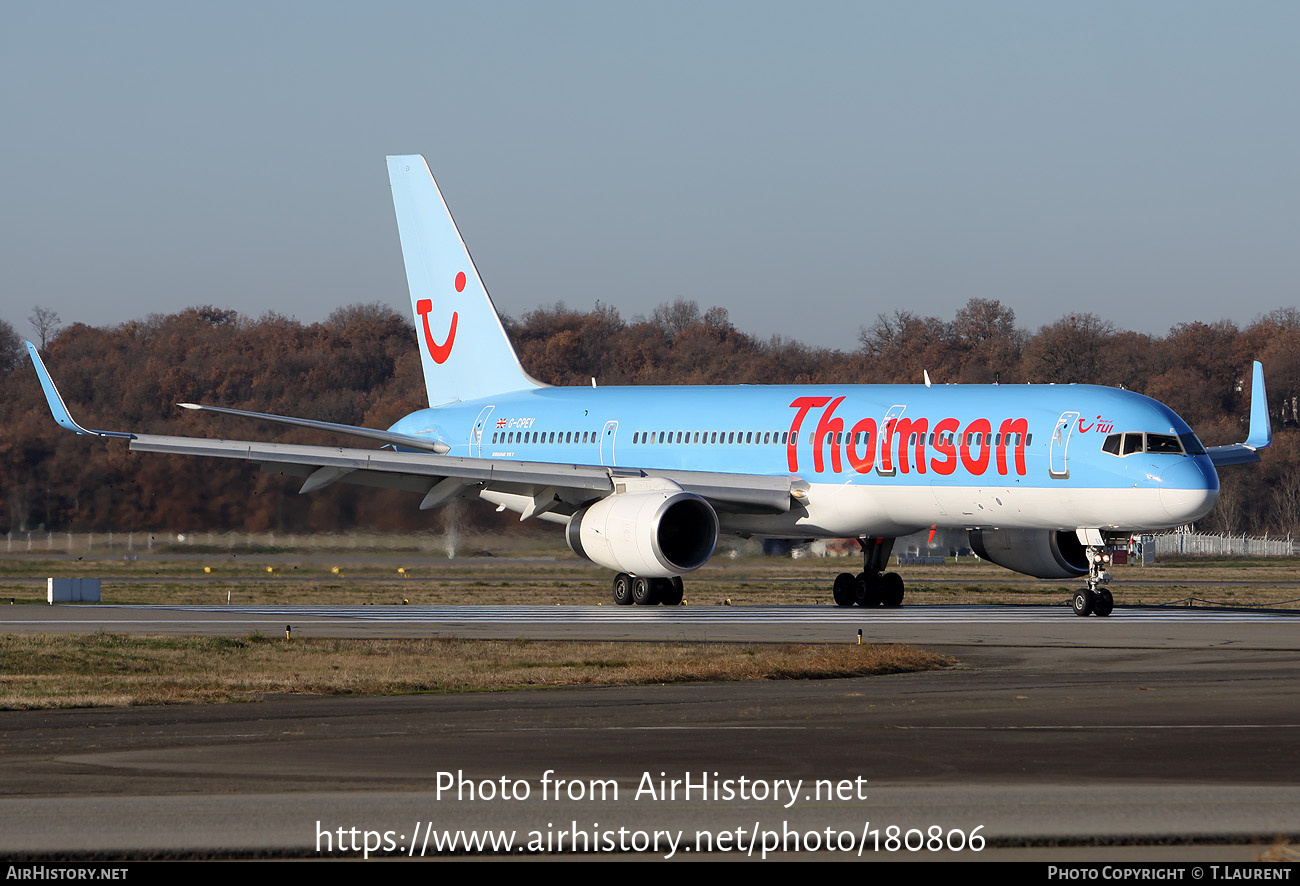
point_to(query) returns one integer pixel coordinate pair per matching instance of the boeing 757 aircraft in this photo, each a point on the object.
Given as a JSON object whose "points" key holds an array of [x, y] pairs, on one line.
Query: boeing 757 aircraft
{"points": [[645, 479]]}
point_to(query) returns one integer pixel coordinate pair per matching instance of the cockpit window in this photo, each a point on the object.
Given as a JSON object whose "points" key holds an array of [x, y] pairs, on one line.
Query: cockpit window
{"points": [[1191, 445], [1164, 443]]}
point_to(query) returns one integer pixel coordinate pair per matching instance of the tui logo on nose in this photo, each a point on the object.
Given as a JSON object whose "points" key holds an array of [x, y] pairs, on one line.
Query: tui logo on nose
{"points": [[439, 352]]}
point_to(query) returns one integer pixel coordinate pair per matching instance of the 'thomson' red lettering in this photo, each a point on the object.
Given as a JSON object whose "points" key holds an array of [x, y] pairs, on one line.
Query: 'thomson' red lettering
{"points": [[972, 447]]}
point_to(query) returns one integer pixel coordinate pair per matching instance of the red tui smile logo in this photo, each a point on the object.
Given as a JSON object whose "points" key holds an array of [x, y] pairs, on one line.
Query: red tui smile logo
{"points": [[439, 352]]}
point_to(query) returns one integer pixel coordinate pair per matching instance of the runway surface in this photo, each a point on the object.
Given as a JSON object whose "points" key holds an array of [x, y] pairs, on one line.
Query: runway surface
{"points": [[1150, 734], [929, 625]]}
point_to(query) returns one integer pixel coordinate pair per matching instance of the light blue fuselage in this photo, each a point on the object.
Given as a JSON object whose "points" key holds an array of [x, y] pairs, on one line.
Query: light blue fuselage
{"points": [[1039, 444]]}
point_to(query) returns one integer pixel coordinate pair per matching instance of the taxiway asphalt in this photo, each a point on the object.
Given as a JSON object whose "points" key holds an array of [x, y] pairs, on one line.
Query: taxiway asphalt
{"points": [[1147, 733]]}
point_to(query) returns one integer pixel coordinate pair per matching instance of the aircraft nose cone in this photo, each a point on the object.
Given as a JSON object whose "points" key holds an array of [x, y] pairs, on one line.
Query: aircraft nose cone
{"points": [[1189, 489]]}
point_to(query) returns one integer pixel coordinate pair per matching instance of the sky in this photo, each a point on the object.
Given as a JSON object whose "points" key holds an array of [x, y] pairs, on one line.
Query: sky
{"points": [[805, 166]]}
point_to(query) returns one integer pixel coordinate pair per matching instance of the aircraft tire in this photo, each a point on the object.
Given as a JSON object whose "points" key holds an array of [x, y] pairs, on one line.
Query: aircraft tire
{"points": [[645, 591], [1083, 602], [1104, 603], [891, 589], [868, 591], [672, 591], [623, 589], [845, 589]]}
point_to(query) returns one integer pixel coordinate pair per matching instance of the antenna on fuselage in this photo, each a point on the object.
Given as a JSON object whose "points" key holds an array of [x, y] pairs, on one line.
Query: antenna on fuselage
{"points": [[926, 374]]}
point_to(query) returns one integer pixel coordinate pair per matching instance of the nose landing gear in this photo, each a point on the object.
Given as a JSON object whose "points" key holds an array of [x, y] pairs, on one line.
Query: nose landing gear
{"points": [[1094, 599]]}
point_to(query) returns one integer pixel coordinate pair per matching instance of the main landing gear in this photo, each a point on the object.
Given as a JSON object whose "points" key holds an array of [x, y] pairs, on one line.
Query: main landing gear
{"points": [[1094, 599], [644, 591], [872, 587]]}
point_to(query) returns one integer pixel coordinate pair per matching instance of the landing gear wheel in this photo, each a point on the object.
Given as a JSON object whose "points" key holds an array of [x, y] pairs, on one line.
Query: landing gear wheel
{"points": [[1103, 604], [671, 591], [868, 593], [645, 592], [845, 589], [1083, 602], [891, 589], [623, 589]]}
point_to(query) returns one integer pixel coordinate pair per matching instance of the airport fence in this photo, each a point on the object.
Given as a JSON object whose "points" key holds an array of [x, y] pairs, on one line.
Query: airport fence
{"points": [[1204, 545], [454, 542], [439, 542]]}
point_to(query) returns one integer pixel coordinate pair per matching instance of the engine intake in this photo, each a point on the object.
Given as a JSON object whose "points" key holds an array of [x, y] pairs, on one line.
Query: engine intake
{"points": [[656, 534], [1042, 553]]}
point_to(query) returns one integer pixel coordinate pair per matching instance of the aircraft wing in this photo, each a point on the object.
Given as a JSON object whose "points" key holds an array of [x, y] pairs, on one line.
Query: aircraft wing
{"points": [[542, 489], [442, 477]]}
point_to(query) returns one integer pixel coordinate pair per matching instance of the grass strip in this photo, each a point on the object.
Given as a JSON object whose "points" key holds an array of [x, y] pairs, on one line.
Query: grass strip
{"points": [[104, 669]]}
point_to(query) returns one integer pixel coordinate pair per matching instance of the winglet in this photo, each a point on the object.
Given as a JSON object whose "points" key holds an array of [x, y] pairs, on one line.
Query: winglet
{"points": [[56, 404], [1260, 435], [1261, 429]]}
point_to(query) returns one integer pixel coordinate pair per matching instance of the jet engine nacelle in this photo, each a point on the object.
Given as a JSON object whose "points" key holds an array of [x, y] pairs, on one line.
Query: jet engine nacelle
{"points": [[1042, 553], [656, 534]]}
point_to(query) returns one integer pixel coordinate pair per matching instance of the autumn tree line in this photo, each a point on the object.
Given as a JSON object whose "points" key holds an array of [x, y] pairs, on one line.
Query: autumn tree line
{"points": [[361, 366]]}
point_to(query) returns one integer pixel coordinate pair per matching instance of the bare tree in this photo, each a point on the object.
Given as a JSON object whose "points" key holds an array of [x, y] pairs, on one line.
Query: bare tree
{"points": [[46, 323], [11, 346]]}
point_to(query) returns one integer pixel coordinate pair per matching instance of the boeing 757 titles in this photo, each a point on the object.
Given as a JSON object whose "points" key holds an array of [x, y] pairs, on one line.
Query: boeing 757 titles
{"points": [[644, 480]]}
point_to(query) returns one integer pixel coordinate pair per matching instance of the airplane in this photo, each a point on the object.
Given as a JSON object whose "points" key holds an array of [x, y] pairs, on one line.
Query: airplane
{"points": [[1045, 479]]}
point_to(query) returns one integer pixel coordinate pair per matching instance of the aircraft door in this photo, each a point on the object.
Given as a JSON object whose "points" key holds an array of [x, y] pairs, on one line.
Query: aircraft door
{"points": [[885, 441], [1058, 465], [607, 443], [476, 436]]}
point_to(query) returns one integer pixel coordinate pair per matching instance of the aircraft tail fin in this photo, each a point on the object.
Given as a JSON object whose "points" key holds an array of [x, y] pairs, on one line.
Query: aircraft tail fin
{"points": [[464, 349]]}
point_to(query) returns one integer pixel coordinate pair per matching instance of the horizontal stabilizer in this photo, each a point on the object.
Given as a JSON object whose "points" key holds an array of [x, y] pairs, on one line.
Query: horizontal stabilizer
{"points": [[407, 441]]}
